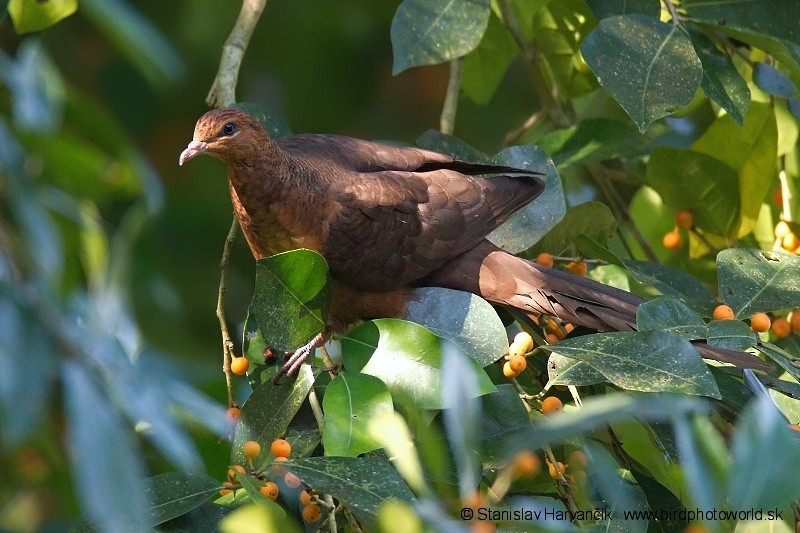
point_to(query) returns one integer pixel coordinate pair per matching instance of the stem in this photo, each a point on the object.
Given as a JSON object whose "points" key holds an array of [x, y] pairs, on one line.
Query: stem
{"points": [[227, 342], [448, 119], [223, 90], [673, 13], [517, 133], [313, 401], [332, 514]]}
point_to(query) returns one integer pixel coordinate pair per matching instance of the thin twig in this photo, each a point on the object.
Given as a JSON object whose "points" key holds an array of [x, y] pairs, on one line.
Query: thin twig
{"points": [[227, 342], [673, 13], [223, 90], [517, 133], [223, 94], [313, 401], [332, 514], [351, 520], [450, 106]]}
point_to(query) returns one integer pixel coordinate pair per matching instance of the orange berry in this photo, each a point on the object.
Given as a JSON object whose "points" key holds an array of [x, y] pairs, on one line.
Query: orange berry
{"points": [[526, 464], [777, 197], [232, 471], [790, 242], [517, 363], [760, 322], [225, 492], [795, 427], [544, 259], [554, 469], [280, 459], [475, 501], [672, 240], [794, 320], [508, 371], [291, 480], [723, 312], [781, 328], [684, 219], [577, 459], [251, 449], [233, 414], [305, 497], [578, 268], [239, 365], [551, 404], [311, 513], [568, 328], [281, 448], [524, 340], [270, 490], [782, 229], [551, 338], [695, 528]]}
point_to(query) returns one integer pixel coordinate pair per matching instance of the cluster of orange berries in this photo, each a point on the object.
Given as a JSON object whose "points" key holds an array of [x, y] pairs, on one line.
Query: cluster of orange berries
{"points": [[515, 360], [579, 268], [788, 239], [781, 327], [684, 220], [281, 449], [575, 469]]}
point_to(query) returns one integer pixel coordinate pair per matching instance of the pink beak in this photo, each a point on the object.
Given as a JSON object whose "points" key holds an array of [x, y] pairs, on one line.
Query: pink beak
{"points": [[194, 149]]}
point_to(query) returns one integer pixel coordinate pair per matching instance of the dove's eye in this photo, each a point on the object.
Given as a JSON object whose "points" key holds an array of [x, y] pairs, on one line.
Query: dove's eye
{"points": [[229, 129]]}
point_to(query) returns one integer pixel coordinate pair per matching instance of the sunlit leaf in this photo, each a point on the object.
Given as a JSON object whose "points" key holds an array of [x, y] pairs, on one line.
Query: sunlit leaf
{"points": [[753, 280], [32, 15], [589, 219], [427, 32], [361, 483], [485, 67], [608, 8], [405, 356], [722, 83], [351, 401], [644, 361], [463, 318], [649, 67], [291, 299]]}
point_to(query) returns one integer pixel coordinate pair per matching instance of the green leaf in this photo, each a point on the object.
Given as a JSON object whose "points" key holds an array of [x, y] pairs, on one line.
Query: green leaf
{"points": [[267, 412], [652, 361], [467, 320], [730, 334], [361, 483], [36, 86], [672, 282], [557, 31], [428, 32], [597, 413], [28, 361], [33, 15], [773, 81], [251, 486], [450, 145], [759, 482], [648, 448], [618, 494], [406, 357], [787, 361], [722, 83], [103, 455], [608, 8], [589, 219], [773, 18], [351, 401], [704, 459], [292, 297], [504, 418], [173, 494], [668, 314], [649, 67], [595, 139], [565, 371], [137, 38], [254, 518], [753, 280], [532, 222], [692, 180], [484, 68], [751, 151]]}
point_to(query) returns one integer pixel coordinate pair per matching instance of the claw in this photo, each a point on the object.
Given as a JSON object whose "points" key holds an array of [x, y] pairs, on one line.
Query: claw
{"points": [[296, 360]]}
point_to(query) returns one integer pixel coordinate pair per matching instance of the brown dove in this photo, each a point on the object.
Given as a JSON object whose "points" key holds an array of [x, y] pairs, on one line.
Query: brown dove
{"points": [[388, 219]]}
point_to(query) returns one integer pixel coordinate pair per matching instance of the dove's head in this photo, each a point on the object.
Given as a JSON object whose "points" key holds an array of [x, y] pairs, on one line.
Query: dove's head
{"points": [[228, 134]]}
